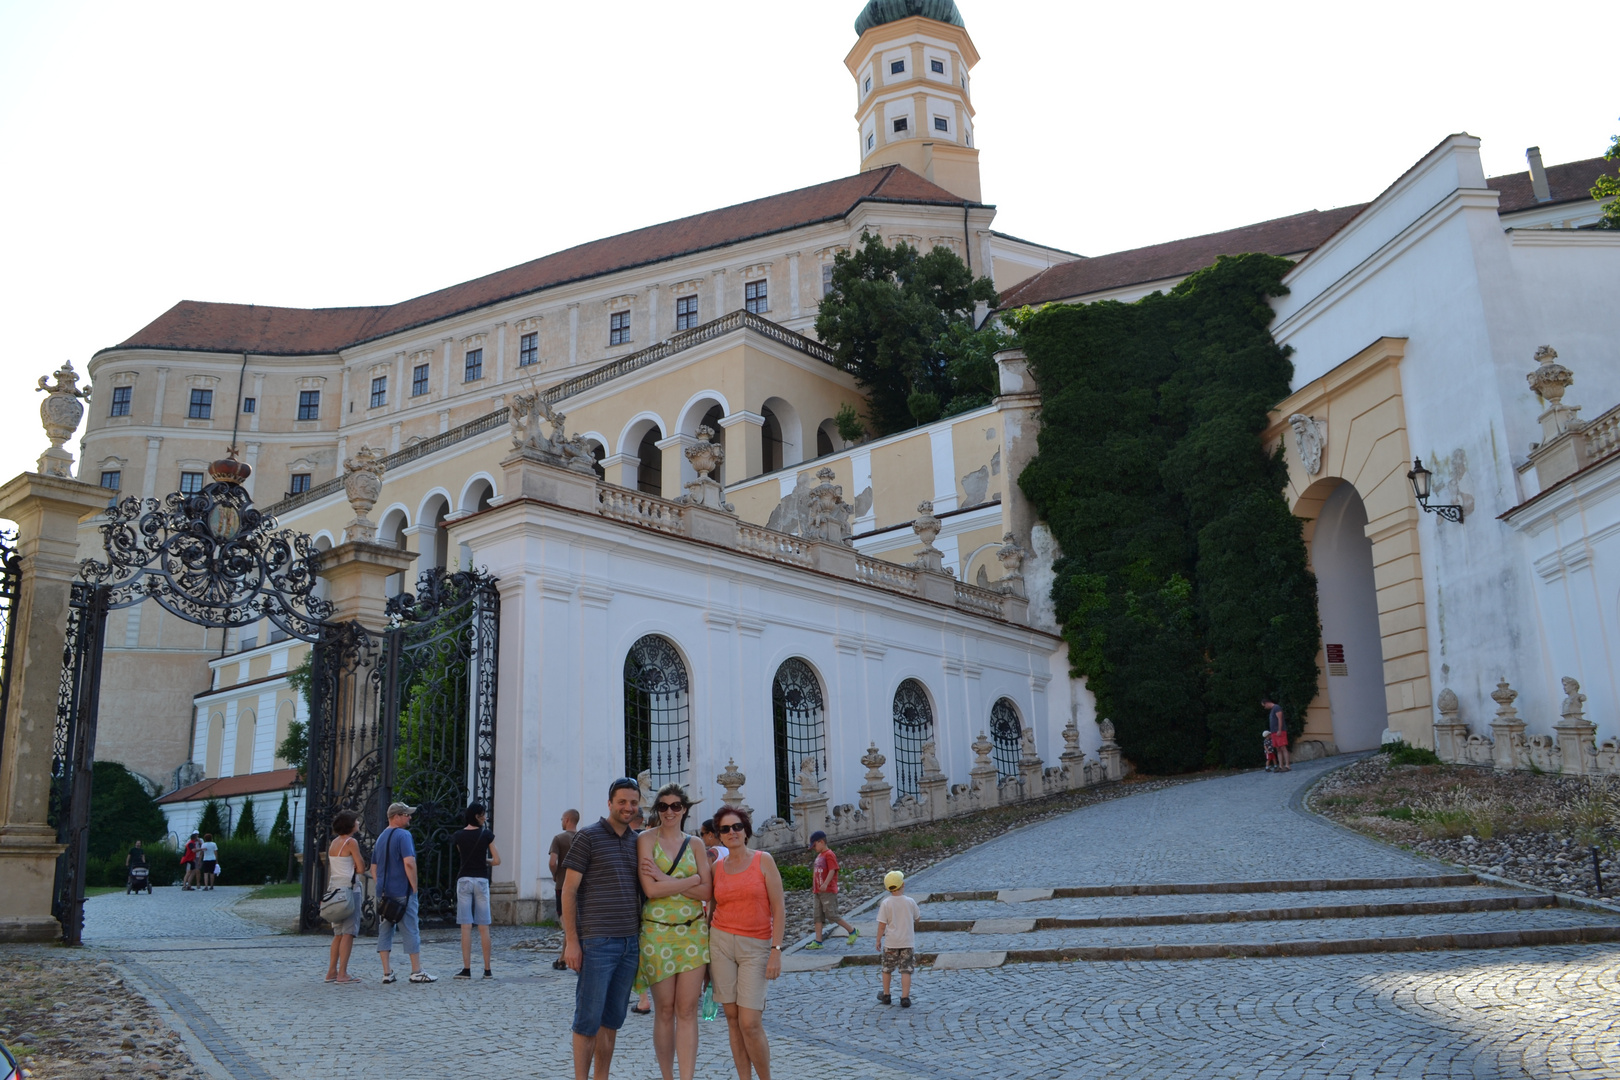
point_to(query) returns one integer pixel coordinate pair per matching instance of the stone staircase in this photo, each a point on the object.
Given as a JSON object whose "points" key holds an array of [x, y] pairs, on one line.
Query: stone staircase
{"points": [[1184, 921]]}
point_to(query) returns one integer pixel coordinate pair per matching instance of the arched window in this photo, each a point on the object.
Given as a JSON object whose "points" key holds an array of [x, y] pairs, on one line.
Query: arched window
{"points": [[1007, 732], [824, 442], [913, 726], [650, 464], [799, 720], [657, 712], [247, 734], [770, 439], [216, 745]]}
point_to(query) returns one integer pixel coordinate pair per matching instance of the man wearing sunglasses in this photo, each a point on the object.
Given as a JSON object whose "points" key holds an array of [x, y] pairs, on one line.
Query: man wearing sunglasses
{"points": [[600, 909]]}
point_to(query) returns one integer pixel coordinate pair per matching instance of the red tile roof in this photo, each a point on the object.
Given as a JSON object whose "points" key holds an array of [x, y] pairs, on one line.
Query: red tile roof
{"points": [[276, 331], [1296, 235], [228, 786]]}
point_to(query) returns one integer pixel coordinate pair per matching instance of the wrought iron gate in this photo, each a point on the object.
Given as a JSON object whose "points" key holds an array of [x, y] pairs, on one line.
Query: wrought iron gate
{"points": [[10, 584], [207, 557], [411, 719]]}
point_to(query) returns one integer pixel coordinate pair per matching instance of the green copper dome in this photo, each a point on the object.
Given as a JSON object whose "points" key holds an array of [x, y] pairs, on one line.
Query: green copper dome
{"points": [[878, 12]]}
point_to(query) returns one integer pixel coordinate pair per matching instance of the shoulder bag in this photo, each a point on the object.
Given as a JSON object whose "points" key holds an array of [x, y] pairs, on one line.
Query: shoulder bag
{"points": [[337, 903], [391, 908]]}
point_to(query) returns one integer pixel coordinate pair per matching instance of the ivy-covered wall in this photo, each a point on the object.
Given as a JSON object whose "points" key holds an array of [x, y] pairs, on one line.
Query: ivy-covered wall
{"points": [[1183, 589]]}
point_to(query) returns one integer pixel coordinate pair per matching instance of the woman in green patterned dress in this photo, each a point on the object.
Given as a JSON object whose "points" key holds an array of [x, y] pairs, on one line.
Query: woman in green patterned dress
{"points": [[674, 932]]}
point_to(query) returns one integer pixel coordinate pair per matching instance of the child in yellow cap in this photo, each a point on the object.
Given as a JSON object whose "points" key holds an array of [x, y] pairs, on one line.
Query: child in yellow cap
{"points": [[897, 921]]}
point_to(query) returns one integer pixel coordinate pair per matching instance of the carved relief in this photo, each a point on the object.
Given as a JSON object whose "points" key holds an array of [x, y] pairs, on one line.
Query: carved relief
{"points": [[1310, 438]]}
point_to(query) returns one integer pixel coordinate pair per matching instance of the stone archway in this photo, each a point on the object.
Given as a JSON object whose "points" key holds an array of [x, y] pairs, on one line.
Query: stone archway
{"points": [[1347, 599], [1352, 431]]}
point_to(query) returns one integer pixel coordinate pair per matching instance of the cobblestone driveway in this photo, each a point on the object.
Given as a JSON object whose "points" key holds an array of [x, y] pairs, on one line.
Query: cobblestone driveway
{"points": [[254, 1001]]}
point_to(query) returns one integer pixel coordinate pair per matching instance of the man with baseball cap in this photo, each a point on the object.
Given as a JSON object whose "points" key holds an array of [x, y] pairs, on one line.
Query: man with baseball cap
{"points": [[394, 864], [600, 909]]}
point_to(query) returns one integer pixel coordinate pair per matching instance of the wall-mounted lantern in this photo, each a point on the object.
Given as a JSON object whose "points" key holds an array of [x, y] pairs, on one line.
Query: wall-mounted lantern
{"points": [[1420, 487]]}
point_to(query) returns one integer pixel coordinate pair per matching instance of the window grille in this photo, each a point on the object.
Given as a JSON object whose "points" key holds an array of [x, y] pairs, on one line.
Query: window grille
{"points": [[800, 723], [619, 328], [756, 298], [191, 482], [121, 399], [475, 366], [202, 405], [379, 391], [1007, 732], [529, 349], [419, 380], [657, 712], [686, 312], [309, 404], [913, 726], [112, 480]]}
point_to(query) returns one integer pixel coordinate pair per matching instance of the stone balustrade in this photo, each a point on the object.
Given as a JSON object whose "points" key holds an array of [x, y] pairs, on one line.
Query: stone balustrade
{"points": [[875, 809], [1572, 749]]}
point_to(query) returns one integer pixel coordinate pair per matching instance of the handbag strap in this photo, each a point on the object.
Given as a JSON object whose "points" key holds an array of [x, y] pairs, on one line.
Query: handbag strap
{"points": [[675, 863]]}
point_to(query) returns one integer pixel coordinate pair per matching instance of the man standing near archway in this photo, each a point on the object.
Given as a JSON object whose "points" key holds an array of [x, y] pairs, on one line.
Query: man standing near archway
{"points": [[1279, 731]]}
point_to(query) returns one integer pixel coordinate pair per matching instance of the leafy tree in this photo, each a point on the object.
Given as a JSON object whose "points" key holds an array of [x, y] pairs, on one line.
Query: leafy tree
{"points": [[212, 820], [294, 748], [246, 827], [122, 811], [281, 832], [850, 428], [970, 364], [1183, 588], [301, 677], [887, 316], [1607, 186]]}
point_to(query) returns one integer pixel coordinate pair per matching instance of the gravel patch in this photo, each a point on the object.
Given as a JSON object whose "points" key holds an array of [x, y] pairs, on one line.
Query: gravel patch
{"points": [[68, 1015]]}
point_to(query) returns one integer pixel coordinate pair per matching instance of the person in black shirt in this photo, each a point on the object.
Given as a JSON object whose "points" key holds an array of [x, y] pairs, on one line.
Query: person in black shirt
{"points": [[475, 848], [136, 856]]}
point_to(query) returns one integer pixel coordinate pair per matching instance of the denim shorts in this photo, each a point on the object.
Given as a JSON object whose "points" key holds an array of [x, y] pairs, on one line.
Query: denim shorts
{"points": [[409, 930], [606, 974], [472, 901]]}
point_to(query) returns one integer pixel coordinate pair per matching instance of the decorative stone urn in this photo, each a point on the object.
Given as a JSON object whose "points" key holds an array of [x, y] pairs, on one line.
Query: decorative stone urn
{"points": [[731, 781], [706, 455], [1550, 380], [927, 527], [1507, 729], [362, 483], [60, 414]]}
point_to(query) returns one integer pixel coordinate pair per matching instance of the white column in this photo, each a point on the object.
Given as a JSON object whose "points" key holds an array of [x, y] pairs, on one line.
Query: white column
{"points": [[445, 375], [573, 334], [500, 352], [258, 401], [719, 293], [149, 480], [653, 334], [860, 468], [793, 284], [157, 402], [399, 392], [393, 437], [227, 749], [846, 722], [421, 539], [444, 421], [264, 746], [939, 442]]}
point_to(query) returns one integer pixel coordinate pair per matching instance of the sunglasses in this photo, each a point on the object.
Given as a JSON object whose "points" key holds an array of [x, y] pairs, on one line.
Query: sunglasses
{"points": [[671, 807], [735, 826]]}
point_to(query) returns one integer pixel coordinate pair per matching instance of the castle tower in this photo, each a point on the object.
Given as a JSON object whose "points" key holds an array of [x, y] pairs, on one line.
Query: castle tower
{"points": [[911, 68]]}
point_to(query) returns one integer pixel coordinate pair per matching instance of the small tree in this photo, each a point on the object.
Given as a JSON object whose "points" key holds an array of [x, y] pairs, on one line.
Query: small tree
{"points": [[212, 820], [1607, 187], [850, 428], [246, 827], [281, 831], [294, 749]]}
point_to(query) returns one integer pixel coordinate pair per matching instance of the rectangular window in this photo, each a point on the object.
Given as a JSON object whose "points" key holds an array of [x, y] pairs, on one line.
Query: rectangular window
{"points": [[686, 312], [475, 366], [619, 328], [250, 404], [871, 138], [300, 483], [419, 379], [202, 405], [121, 398], [867, 88], [902, 124], [898, 67], [309, 404], [755, 298], [191, 482], [826, 279], [529, 349], [379, 391], [113, 480], [937, 66], [941, 124]]}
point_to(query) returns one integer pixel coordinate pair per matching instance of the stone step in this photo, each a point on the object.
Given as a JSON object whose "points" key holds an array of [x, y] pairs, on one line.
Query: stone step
{"points": [[1520, 902], [1019, 896]]}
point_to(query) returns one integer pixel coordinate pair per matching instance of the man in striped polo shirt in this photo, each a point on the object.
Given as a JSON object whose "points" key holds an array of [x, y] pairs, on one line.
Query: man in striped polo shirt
{"points": [[601, 921]]}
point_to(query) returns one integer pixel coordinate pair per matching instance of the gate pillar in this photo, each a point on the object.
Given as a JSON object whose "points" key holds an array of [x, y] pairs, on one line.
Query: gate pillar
{"points": [[357, 576], [47, 510]]}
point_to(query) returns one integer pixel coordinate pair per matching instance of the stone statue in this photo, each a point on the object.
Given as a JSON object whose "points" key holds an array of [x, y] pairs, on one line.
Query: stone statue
{"points": [[706, 456], [930, 762], [829, 515], [1310, 438], [1574, 706], [60, 413], [1011, 555], [362, 483], [527, 416], [809, 783]]}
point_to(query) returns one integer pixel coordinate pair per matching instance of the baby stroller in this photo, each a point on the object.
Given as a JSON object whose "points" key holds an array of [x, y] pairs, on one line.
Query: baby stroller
{"points": [[140, 880], [1271, 751]]}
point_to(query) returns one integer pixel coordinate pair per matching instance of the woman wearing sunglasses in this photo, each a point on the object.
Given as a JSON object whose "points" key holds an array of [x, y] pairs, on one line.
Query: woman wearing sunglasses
{"points": [[746, 939], [675, 877]]}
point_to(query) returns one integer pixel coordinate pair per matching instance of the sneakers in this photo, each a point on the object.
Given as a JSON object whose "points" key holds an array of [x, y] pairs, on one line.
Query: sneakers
{"points": [[488, 974], [464, 973], [854, 936], [885, 999], [422, 977], [389, 978], [905, 1003], [814, 945]]}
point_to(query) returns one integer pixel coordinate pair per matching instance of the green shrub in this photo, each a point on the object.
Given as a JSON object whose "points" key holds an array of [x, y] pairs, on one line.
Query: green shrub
{"points": [[1402, 754], [796, 878], [247, 826], [250, 862], [163, 862], [281, 831], [1398, 813], [121, 812], [212, 821]]}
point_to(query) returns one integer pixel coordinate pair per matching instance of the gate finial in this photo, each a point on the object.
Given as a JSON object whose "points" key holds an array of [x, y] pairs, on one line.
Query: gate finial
{"points": [[60, 413]]}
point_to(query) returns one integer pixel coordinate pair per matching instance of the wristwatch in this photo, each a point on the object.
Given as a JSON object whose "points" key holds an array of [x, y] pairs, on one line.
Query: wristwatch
{"points": [[778, 948]]}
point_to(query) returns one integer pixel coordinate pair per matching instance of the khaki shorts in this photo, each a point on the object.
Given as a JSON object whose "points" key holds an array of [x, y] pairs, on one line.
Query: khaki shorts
{"points": [[737, 969], [826, 907]]}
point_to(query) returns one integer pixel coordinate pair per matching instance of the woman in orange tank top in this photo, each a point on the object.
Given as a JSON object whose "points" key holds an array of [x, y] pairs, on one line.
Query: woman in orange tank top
{"points": [[745, 942]]}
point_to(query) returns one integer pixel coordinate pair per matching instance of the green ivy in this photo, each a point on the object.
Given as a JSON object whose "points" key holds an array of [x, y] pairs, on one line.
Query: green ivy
{"points": [[1183, 588], [1608, 186]]}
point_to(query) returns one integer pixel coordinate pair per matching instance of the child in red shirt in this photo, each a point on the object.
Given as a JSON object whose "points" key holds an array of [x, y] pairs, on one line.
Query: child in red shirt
{"points": [[824, 889]]}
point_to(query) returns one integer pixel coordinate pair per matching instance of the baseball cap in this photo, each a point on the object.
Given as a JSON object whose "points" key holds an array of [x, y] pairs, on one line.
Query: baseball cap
{"points": [[817, 835], [893, 880], [400, 808]]}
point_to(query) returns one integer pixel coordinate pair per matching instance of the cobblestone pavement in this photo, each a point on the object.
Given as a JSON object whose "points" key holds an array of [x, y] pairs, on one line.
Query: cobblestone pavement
{"points": [[254, 1001], [1107, 906]]}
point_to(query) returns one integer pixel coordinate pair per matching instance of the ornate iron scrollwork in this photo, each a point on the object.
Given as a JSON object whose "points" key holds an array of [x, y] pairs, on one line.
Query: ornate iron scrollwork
{"points": [[913, 726]]}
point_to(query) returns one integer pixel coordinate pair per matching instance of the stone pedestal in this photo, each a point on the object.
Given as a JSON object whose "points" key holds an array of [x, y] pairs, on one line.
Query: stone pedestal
{"points": [[47, 510], [356, 574], [1108, 752], [1507, 730], [526, 474], [1450, 733], [982, 777], [876, 792]]}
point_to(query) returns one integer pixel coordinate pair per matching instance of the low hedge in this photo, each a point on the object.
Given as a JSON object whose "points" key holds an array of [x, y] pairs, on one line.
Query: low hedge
{"points": [[243, 862]]}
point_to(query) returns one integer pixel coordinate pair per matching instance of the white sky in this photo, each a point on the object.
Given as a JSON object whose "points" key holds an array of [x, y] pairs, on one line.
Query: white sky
{"points": [[347, 153]]}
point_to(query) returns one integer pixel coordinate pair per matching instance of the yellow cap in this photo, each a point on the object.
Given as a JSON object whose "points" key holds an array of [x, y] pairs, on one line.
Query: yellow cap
{"points": [[893, 880]]}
